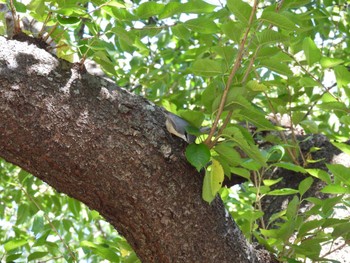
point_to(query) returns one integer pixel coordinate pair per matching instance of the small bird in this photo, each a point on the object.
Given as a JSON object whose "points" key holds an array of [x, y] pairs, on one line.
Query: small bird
{"points": [[178, 126]]}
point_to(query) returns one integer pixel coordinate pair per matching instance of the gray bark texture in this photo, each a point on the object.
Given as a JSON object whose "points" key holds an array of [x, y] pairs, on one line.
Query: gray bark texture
{"points": [[109, 149]]}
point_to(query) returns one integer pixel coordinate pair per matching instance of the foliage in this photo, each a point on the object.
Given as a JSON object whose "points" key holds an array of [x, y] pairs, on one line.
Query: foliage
{"points": [[234, 63], [37, 223]]}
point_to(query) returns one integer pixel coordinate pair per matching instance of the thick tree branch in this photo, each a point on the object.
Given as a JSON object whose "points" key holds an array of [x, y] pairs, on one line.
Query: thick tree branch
{"points": [[110, 150]]}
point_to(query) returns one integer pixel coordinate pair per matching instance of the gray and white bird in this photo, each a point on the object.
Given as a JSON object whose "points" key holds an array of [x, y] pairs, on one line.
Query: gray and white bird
{"points": [[178, 126]]}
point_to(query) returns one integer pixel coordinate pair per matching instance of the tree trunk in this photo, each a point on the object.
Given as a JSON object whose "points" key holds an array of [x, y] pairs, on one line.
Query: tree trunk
{"points": [[110, 149]]}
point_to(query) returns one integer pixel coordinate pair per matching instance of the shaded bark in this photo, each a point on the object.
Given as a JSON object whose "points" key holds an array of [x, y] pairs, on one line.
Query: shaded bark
{"points": [[110, 149]]}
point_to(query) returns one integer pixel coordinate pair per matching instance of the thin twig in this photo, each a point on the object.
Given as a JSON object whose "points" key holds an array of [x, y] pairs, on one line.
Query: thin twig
{"points": [[308, 73]]}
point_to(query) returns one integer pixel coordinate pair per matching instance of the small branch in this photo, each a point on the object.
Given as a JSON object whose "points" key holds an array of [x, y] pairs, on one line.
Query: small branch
{"points": [[50, 32], [17, 27], [236, 66], [335, 249]]}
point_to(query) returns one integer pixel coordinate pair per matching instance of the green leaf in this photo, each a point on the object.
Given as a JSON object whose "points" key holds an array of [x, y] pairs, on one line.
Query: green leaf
{"points": [[201, 25], [250, 149], [256, 86], [72, 12], [267, 52], [212, 182], [305, 185], [68, 21], [335, 189], [195, 118], [74, 207], [283, 191], [275, 153], [335, 106], [127, 36], [207, 193], [292, 208], [208, 96], [181, 31], [320, 174], [198, 155], [14, 243], [310, 225], [308, 82], [149, 9], [41, 238], [330, 62], [329, 204], [170, 9], [309, 247], [241, 172], [233, 30], [269, 36], [309, 126], [340, 230], [247, 111], [241, 10], [311, 51], [251, 165], [38, 7], [275, 65], [11, 258], [20, 7], [37, 255], [217, 176], [22, 213], [207, 67], [38, 224], [270, 182], [342, 75], [343, 147], [340, 172], [291, 166], [102, 251], [227, 151], [278, 20], [196, 7]]}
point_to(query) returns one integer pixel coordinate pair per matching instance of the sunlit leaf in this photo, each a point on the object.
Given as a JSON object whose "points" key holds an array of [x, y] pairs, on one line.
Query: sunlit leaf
{"points": [[207, 193], [342, 74], [311, 51], [217, 177], [291, 166], [277, 19], [240, 9], [268, 36], [201, 25], [340, 172], [208, 67], [283, 191], [330, 62], [37, 255], [320, 174], [342, 146], [148, 9], [14, 243]]}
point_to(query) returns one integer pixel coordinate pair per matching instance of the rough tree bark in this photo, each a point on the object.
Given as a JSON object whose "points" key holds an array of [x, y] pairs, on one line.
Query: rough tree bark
{"points": [[110, 150]]}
